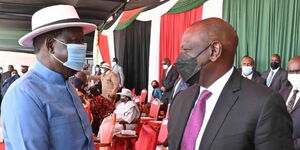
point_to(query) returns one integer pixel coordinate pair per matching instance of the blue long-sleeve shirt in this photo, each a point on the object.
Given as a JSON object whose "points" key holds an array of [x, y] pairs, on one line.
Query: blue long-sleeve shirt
{"points": [[41, 111]]}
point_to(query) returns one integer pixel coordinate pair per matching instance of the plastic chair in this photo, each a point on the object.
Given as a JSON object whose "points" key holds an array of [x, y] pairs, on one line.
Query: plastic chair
{"points": [[147, 138], [143, 96], [154, 110], [106, 130]]}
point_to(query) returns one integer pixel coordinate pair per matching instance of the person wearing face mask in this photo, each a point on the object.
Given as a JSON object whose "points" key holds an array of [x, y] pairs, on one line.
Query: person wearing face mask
{"points": [[117, 69], [41, 110], [291, 95], [248, 70], [109, 81], [8, 82], [169, 77], [157, 93], [97, 70], [126, 112], [224, 111], [276, 77]]}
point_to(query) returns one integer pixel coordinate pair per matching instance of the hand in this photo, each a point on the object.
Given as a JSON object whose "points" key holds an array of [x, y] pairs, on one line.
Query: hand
{"points": [[163, 89], [112, 96]]}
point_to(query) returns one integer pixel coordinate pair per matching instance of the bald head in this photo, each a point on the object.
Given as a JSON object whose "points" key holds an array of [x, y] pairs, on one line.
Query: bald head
{"points": [[294, 65]]}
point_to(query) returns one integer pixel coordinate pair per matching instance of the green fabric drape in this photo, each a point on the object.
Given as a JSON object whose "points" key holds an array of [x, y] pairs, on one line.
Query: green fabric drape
{"points": [[265, 27], [185, 5]]}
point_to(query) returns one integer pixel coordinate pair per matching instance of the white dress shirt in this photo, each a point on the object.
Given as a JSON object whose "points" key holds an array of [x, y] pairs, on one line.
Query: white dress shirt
{"points": [[248, 76], [290, 96], [168, 69], [216, 88]]}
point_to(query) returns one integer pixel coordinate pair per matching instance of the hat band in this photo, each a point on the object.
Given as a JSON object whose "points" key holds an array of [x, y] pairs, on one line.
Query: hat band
{"points": [[59, 21]]}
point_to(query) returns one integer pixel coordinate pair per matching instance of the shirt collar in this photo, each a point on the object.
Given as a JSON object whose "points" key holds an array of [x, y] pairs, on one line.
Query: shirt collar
{"points": [[218, 85], [275, 70], [248, 76], [48, 74]]}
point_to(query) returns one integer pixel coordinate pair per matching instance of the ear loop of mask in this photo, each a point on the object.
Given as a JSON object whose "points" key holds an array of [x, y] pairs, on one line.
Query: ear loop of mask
{"points": [[53, 54]]}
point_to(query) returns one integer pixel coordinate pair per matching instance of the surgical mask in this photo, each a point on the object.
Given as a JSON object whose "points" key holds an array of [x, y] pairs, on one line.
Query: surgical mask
{"points": [[274, 65], [187, 65], [1, 71], [294, 80], [113, 63], [247, 70], [165, 66], [97, 69], [76, 55]]}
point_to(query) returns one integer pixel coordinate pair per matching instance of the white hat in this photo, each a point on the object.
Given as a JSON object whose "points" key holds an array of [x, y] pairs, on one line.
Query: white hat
{"points": [[105, 65], [53, 18], [125, 92]]}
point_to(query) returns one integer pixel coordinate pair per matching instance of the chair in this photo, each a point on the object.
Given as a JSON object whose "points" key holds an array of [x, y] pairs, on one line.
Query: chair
{"points": [[163, 132], [154, 110], [143, 96], [106, 130], [147, 138]]}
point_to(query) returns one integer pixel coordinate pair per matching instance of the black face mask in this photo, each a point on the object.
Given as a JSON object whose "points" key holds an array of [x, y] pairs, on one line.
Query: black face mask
{"points": [[154, 86], [187, 65], [123, 99], [274, 65]]}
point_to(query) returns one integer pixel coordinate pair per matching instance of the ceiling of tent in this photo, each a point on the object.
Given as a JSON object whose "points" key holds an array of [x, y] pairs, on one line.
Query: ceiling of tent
{"points": [[15, 16]]}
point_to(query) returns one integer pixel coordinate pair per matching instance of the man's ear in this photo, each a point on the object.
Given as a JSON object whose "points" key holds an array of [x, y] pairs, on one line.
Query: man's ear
{"points": [[216, 50], [50, 44]]}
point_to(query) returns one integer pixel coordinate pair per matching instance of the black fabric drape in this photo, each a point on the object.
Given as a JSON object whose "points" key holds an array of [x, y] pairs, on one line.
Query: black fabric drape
{"points": [[132, 49]]}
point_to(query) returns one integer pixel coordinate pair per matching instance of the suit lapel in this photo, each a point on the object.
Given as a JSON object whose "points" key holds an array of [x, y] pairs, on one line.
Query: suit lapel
{"points": [[225, 102], [275, 76]]}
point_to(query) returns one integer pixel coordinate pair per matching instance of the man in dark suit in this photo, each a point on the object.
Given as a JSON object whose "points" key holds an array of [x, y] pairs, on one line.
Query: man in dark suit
{"points": [[169, 77], [248, 71], [291, 95], [224, 111], [275, 77], [5, 76]]}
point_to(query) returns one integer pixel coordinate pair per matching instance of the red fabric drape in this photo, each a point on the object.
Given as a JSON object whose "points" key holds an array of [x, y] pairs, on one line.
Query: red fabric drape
{"points": [[171, 29], [103, 46]]}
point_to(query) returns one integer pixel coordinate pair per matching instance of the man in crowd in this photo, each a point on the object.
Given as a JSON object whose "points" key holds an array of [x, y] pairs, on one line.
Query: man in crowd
{"points": [[14, 76], [7, 74], [117, 69], [109, 81], [275, 77], [248, 70], [24, 69], [42, 110], [126, 112], [169, 77], [291, 95], [224, 111]]}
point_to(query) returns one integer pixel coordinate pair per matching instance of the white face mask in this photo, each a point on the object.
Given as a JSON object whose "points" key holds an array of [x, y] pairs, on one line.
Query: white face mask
{"points": [[165, 66], [102, 71], [113, 63], [294, 80], [1, 71]]}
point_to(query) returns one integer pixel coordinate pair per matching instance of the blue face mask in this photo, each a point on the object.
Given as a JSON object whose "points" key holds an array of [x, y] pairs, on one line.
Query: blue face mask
{"points": [[97, 69], [247, 70], [76, 55]]}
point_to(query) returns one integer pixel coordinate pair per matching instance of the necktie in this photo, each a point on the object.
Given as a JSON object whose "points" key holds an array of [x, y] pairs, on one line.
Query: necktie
{"points": [[269, 79], [292, 101], [194, 123]]}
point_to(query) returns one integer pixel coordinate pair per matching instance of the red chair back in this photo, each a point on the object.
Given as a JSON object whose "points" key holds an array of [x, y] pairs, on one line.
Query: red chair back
{"points": [[147, 138], [163, 132], [107, 129], [143, 96], [154, 108]]}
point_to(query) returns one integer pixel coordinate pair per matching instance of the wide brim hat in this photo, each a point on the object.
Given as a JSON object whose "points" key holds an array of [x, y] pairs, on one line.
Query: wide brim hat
{"points": [[125, 92], [105, 65], [54, 18]]}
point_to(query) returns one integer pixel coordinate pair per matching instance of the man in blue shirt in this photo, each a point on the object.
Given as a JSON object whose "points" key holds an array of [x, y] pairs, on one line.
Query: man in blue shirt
{"points": [[41, 110]]}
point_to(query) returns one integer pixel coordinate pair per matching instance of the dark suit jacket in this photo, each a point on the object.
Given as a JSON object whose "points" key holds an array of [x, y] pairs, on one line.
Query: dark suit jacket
{"points": [[247, 116], [279, 80], [256, 77], [4, 76], [295, 114], [168, 82]]}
